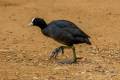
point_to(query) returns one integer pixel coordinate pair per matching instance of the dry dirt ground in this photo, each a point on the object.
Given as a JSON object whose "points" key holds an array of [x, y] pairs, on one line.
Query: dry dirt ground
{"points": [[24, 50]]}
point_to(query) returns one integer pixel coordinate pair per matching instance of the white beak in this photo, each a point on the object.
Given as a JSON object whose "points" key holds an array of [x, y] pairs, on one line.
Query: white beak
{"points": [[30, 24]]}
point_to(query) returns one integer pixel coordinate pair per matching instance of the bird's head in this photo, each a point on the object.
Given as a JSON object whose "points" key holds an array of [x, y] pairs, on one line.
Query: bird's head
{"points": [[38, 22]]}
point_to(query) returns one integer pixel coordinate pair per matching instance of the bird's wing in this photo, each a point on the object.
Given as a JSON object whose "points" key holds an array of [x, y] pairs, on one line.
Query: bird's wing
{"points": [[72, 28], [58, 34]]}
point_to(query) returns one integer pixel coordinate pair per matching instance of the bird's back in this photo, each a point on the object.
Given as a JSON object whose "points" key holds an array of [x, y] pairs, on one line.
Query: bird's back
{"points": [[70, 27]]}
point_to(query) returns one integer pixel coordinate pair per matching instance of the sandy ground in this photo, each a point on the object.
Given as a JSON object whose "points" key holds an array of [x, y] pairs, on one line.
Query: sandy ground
{"points": [[24, 50]]}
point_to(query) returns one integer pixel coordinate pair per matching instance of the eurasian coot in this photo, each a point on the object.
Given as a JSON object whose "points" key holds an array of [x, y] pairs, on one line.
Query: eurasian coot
{"points": [[64, 32]]}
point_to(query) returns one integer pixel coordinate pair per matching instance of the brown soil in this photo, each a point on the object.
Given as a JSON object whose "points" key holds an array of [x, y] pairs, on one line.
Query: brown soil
{"points": [[24, 50]]}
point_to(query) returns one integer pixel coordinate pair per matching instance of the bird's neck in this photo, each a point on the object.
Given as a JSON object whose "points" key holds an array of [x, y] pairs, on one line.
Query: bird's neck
{"points": [[42, 25]]}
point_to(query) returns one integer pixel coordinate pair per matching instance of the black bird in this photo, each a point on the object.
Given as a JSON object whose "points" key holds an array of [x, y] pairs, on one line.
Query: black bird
{"points": [[64, 32]]}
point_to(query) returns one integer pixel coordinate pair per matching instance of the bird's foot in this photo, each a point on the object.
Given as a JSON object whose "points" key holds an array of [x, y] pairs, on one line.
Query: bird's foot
{"points": [[71, 61], [55, 52]]}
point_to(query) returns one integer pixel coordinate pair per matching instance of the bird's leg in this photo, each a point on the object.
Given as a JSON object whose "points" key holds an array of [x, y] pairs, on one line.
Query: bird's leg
{"points": [[74, 56], [56, 51], [60, 49]]}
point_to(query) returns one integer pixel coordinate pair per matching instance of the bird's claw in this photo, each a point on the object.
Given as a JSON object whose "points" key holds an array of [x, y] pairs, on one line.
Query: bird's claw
{"points": [[67, 61], [55, 52]]}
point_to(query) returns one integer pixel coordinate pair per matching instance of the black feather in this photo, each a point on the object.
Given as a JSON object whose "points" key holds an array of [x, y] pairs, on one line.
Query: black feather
{"points": [[64, 32]]}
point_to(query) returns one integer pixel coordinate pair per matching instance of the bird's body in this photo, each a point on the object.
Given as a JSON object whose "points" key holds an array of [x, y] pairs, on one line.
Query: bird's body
{"points": [[64, 32]]}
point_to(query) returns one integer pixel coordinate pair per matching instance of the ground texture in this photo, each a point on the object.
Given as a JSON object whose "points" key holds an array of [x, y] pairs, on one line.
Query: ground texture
{"points": [[24, 50]]}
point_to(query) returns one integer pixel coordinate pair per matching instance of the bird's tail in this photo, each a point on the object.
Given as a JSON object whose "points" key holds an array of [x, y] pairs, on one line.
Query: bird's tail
{"points": [[88, 41]]}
